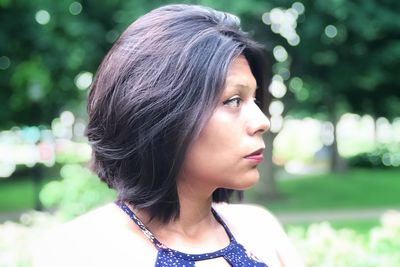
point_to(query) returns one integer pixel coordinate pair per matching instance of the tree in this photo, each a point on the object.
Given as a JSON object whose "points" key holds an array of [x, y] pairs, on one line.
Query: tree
{"points": [[50, 51], [345, 60]]}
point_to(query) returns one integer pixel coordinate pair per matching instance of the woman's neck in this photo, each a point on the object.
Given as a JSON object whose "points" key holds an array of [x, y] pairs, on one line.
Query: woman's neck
{"points": [[195, 223], [195, 211]]}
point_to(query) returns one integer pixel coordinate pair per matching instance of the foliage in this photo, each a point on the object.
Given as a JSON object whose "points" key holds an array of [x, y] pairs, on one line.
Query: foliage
{"points": [[78, 192], [322, 246], [382, 157], [345, 60], [17, 239], [56, 42]]}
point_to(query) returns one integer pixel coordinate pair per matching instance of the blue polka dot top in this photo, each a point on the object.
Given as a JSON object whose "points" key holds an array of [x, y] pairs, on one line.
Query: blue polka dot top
{"points": [[235, 254]]}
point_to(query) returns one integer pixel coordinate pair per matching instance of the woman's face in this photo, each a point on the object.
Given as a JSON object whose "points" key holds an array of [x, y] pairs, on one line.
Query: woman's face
{"points": [[230, 145]]}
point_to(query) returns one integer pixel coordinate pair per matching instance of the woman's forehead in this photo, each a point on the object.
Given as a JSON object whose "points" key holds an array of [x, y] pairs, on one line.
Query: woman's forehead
{"points": [[240, 75]]}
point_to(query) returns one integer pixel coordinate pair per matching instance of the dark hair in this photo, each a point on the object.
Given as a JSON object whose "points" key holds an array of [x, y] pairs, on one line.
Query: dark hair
{"points": [[153, 93]]}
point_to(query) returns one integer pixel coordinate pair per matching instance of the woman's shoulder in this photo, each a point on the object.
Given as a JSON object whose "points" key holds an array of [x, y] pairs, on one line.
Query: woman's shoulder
{"points": [[248, 217], [249, 209], [100, 223], [101, 237], [259, 231]]}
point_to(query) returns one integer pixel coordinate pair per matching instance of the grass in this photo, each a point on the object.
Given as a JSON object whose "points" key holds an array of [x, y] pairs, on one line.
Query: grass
{"points": [[356, 189], [17, 195], [359, 188]]}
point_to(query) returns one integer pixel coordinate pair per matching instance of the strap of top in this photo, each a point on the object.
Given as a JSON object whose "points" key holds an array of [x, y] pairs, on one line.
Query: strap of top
{"points": [[139, 223], [219, 219], [151, 237]]}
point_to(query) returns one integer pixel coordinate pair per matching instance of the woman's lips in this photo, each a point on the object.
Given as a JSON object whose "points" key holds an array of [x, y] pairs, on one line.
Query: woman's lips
{"points": [[256, 156]]}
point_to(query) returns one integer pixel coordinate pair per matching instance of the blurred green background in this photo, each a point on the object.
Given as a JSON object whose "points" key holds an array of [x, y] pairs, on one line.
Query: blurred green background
{"points": [[332, 168]]}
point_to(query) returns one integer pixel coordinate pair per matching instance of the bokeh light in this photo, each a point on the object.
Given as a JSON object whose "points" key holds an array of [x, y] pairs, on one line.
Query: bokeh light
{"points": [[83, 80], [284, 22], [276, 108], [299, 7], [75, 8], [277, 88], [280, 53], [4, 63], [276, 123], [42, 17], [331, 31], [67, 118]]}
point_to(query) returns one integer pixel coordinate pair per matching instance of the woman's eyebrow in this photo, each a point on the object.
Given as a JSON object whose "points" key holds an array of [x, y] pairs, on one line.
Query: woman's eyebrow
{"points": [[245, 87]]}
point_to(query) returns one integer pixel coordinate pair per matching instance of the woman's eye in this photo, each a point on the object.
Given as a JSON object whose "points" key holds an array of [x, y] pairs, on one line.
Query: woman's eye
{"points": [[233, 102]]}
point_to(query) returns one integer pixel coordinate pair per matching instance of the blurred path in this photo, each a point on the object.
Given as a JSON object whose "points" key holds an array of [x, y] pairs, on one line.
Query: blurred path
{"points": [[333, 215], [11, 216]]}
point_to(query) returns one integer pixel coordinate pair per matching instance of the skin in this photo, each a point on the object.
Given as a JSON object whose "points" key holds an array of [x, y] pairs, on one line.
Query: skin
{"points": [[216, 159]]}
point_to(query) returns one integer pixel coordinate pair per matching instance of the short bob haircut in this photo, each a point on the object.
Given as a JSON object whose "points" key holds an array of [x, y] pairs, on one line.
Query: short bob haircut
{"points": [[153, 93]]}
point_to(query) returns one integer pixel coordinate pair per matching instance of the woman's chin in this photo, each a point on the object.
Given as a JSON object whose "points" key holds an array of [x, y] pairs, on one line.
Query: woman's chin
{"points": [[248, 181]]}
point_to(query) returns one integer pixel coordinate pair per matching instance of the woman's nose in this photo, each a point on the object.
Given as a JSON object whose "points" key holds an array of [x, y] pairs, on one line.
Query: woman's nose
{"points": [[258, 122]]}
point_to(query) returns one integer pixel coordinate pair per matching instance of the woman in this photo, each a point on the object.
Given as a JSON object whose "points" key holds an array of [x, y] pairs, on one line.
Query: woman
{"points": [[175, 128]]}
